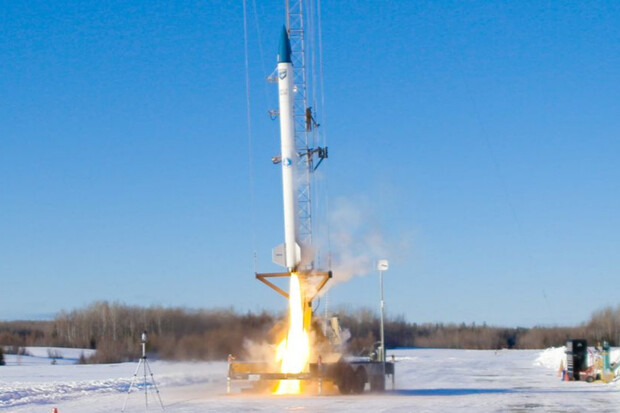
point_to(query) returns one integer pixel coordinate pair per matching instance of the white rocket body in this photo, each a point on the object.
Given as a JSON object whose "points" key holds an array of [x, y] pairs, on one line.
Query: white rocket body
{"points": [[288, 254]]}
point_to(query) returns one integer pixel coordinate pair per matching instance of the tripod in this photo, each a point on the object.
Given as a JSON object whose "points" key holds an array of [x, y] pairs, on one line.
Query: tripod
{"points": [[145, 365]]}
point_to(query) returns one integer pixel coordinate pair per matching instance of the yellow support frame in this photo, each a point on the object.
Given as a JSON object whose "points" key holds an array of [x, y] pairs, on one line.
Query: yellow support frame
{"points": [[324, 275]]}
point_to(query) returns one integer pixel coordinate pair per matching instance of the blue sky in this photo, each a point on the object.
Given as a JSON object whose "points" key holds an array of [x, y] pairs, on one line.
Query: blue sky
{"points": [[479, 141]]}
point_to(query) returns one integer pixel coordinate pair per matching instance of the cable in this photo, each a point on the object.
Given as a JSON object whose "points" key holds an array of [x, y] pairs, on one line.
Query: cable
{"points": [[263, 67], [249, 123], [323, 133], [504, 188]]}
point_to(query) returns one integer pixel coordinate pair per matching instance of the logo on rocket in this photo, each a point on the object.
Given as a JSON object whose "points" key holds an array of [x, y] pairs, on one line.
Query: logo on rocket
{"points": [[282, 74]]}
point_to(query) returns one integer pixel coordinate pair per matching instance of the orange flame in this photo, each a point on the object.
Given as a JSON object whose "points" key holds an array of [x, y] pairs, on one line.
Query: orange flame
{"points": [[294, 351]]}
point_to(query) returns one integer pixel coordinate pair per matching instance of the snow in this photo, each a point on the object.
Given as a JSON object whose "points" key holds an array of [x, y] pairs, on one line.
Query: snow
{"points": [[41, 355], [427, 380], [552, 357]]}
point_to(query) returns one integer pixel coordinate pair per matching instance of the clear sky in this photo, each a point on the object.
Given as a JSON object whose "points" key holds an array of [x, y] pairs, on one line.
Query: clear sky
{"points": [[477, 143]]}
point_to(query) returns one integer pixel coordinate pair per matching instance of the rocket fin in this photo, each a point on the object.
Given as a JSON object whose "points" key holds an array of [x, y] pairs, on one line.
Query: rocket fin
{"points": [[278, 255]]}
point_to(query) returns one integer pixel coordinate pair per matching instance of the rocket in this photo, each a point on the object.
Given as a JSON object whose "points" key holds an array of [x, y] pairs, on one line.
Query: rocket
{"points": [[295, 253], [289, 253]]}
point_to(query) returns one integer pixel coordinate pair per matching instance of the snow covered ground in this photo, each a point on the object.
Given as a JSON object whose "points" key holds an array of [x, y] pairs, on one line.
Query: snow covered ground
{"points": [[43, 355], [427, 380]]}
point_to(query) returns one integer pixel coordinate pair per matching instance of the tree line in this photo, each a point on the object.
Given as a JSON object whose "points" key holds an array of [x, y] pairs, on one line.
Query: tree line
{"points": [[114, 330]]}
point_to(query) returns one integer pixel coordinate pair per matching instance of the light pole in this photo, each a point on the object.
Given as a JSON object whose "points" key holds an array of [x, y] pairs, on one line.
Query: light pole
{"points": [[382, 265]]}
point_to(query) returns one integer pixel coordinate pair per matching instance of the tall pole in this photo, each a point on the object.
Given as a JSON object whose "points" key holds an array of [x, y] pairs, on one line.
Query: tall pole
{"points": [[382, 265], [382, 317]]}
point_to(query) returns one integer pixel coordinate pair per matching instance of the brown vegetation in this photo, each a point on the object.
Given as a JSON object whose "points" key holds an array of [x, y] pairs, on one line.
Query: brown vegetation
{"points": [[181, 334], [115, 329]]}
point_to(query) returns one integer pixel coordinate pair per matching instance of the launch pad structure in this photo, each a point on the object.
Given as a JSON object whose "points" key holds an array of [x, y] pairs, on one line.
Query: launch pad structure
{"points": [[299, 158], [306, 142]]}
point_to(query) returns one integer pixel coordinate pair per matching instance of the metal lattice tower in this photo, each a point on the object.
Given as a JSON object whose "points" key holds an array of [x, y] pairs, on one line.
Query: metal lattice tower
{"points": [[295, 26]]}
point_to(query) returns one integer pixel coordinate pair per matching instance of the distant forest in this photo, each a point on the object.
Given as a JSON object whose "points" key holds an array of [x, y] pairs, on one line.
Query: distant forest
{"points": [[114, 330]]}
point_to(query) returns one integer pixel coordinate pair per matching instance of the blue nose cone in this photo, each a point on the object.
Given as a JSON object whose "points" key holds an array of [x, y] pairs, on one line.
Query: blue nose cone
{"points": [[284, 51]]}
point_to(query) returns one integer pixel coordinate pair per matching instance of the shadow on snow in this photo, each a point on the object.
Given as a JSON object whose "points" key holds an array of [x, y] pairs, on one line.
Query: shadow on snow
{"points": [[448, 392], [474, 391]]}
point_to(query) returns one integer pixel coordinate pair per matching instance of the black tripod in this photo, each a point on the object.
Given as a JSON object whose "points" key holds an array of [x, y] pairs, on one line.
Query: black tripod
{"points": [[145, 365]]}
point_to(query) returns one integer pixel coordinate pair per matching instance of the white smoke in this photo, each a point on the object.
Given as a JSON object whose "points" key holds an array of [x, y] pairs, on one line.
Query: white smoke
{"points": [[357, 241], [259, 351]]}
